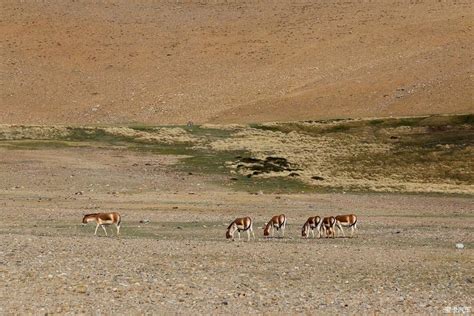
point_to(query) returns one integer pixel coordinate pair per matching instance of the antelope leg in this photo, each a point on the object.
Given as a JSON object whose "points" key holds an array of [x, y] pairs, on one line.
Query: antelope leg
{"points": [[103, 227]]}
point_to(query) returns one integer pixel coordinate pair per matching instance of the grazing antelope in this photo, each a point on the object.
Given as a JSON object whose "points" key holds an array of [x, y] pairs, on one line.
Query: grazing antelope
{"points": [[240, 224], [312, 223], [103, 219], [346, 221], [327, 226], [277, 222]]}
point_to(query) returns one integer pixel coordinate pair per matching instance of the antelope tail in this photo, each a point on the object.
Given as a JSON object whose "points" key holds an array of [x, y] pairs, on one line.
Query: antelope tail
{"points": [[354, 223]]}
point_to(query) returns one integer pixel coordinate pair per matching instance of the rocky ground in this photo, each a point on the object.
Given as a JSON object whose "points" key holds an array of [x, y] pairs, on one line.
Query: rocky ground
{"points": [[172, 255]]}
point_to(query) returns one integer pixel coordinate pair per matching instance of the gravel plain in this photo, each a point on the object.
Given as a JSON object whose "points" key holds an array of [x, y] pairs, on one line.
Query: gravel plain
{"points": [[402, 260]]}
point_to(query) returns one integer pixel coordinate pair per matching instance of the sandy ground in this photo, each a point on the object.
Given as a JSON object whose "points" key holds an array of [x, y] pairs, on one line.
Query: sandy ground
{"points": [[403, 258], [169, 62]]}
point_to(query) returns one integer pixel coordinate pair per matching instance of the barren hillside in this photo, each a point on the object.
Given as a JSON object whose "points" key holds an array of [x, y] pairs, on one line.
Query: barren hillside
{"points": [[167, 62]]}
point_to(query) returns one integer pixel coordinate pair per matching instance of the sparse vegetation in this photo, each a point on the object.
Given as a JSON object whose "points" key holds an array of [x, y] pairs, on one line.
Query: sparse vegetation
{"points": [[417, 154], [397, 154]]}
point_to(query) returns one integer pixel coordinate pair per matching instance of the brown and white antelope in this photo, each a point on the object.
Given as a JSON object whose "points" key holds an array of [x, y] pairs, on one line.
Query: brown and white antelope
{"points": [[327, 226], [346, 221], [312, 223], [277, 222], [103, 219], [240, 224]]}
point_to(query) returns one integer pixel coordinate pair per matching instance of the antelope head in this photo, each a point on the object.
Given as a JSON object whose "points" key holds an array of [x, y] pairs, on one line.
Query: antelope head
{"points": [[266, 230], [230, 231], [304, 231]]}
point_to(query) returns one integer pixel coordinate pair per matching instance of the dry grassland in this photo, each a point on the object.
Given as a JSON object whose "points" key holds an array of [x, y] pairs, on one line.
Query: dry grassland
{"points": [[430, 154]]}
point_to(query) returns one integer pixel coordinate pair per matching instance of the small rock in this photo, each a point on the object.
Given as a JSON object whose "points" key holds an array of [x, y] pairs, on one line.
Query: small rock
{"points": [[81, 289]]}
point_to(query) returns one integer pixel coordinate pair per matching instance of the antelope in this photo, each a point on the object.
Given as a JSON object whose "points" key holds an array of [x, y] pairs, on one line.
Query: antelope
{"points": [[346, 221], [277, 222], [103, 219], [240, 224], [312, 223], [328, 226]]}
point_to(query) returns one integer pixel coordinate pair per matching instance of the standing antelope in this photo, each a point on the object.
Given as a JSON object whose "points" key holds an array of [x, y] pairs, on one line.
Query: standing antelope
{"points": [[240, 224], [312, 223], [327, 226], [346, 221], [277, 222], [103, 219]]}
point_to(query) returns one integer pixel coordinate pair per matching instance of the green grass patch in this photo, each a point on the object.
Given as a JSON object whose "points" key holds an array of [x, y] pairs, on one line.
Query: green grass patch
{"points": [[209, 133], [78, 134]]}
